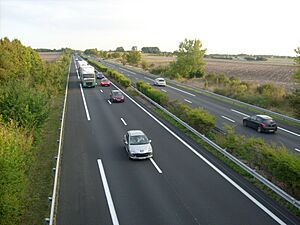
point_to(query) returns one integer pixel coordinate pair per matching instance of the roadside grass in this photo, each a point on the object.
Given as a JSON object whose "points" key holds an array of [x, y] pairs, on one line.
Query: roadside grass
{"points": [[41, 176]]}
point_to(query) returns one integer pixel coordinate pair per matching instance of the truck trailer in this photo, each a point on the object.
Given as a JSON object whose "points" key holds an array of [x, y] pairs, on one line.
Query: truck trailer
{"points": [[87, 76]]}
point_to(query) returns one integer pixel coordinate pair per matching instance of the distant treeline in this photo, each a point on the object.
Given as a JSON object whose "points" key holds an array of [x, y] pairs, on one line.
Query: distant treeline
{"points": [[51, 50], [246, 57]]}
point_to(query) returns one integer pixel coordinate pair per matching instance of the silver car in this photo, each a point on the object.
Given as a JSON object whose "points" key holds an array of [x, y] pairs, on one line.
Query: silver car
{"points": [[137, 145]]}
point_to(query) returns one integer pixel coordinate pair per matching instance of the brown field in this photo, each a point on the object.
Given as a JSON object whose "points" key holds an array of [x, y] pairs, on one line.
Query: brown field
{"points": [[276, 71], [49, 56]]}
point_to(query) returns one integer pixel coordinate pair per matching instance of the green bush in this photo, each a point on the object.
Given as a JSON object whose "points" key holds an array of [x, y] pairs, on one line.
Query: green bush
{"points": [[275, 163], [15, 158], [156, 95], [198, 118]]}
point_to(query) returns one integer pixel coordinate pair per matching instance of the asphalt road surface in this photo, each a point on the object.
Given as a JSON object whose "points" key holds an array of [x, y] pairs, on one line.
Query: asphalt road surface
{"points": [[182, 184]]}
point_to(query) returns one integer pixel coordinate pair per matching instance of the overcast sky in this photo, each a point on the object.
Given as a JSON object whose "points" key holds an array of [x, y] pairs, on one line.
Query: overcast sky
{"points": [[223, 26]]}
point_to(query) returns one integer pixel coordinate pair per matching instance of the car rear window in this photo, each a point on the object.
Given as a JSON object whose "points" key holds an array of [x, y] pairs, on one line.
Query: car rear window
{"points": [[117, 94]]}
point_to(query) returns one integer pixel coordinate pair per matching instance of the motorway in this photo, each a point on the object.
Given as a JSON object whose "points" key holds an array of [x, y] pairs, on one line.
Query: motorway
{"points": [[182, 184], [225, 112]]}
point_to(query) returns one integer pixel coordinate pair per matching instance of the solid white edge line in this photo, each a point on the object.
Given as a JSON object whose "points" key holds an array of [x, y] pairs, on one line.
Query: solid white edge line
{"points": [[109, 200], [226, 118], [188, 101], [238, 112], [84, 103], [123, 121], [155, 165], [261, 206], [59, 151], [296, 149], [291, 132], [109, 102]]}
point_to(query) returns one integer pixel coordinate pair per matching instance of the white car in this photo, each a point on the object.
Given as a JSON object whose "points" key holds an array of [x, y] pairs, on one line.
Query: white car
{"points": [[160, 82], [137, 145]]}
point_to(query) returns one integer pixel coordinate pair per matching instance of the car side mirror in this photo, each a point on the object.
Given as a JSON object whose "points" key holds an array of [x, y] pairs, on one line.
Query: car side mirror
{"points": [[149, 141]]}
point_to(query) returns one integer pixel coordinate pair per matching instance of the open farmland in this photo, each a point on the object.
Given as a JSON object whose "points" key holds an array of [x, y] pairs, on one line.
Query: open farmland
{"points": [[49, 56], [278, 72]]}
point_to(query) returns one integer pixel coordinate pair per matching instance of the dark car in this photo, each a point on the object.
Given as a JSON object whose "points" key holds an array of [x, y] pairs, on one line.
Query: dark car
{"points": [[261, 123], [99, 75], [116, 96], [105, 82]]}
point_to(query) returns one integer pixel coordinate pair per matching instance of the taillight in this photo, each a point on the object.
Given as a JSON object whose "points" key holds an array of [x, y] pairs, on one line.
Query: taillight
{"points": [[264, 124]]}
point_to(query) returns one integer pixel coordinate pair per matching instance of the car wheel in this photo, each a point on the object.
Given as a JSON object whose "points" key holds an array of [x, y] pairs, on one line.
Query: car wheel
{"points": [[245, 123], [259, 130]]}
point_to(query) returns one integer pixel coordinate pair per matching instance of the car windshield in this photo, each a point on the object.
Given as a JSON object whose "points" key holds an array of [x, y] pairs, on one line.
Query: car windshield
{"points": [[104, 80], [138, 140]]}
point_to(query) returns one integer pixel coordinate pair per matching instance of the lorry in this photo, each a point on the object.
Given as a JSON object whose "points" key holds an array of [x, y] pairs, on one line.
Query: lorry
{"points": [[80, 63], [87, 76]]}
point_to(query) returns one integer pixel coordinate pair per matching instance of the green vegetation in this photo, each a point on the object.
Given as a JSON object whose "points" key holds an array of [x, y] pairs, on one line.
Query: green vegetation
{"points": [[120, 49], [189, 62], [29, 91], [133, 58], [295, 96], [153, 50]]}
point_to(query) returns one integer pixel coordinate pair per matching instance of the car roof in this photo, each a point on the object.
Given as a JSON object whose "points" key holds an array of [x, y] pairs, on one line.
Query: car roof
{"points": [[265, 117], [135, 132], [160, 78]]}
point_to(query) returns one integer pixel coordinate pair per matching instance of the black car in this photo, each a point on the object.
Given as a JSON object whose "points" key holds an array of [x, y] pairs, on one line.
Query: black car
{"points": [[117, 96], [261, 123]]}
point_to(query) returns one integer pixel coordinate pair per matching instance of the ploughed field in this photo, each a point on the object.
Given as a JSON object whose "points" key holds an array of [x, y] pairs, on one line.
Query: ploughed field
{"points": [[49, 56], [279, 71]]}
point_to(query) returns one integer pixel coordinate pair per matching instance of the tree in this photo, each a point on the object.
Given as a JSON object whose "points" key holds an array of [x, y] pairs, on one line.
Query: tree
{"points": [[189, 61], [295, 97], [92, 51], [297, 61], [120, 49], [153, 50], [133, 57], [134, 48]]}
